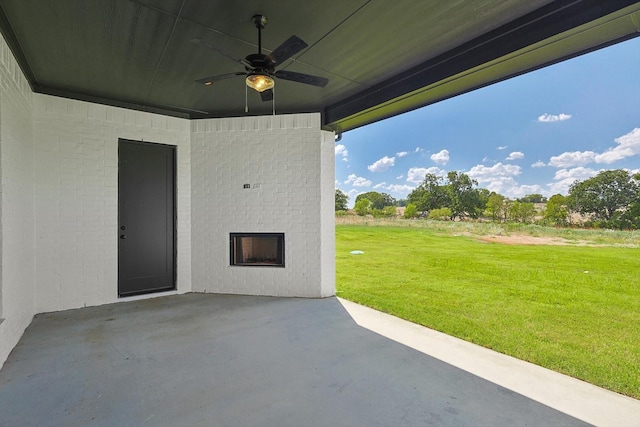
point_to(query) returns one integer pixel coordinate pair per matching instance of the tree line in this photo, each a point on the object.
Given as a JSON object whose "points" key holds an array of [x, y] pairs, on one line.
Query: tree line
{"points": [[611, 199], [371, 203]]}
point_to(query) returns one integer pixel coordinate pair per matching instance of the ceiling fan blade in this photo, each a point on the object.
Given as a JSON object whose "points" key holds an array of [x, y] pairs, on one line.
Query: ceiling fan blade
{"points": [[286, 50], [209, 80], [302, 78], [222, 52], [267, 95]]}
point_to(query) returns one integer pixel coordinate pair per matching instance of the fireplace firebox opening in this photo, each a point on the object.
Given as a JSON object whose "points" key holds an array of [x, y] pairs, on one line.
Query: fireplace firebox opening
{"points": [[256, 249]]}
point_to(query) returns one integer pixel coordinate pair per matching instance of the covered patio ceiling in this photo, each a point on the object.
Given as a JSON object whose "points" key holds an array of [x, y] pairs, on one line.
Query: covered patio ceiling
{"points": [[382, 58]]}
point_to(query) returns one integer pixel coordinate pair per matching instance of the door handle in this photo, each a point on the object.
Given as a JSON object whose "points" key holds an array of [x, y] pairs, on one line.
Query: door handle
{"points": [[123, 236]]}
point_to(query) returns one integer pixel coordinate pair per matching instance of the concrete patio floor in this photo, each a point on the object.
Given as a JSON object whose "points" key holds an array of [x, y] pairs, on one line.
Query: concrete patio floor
{"points": [[222, 360]]}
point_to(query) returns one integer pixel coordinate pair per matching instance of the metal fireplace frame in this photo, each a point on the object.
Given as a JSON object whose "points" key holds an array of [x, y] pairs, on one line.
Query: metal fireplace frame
{"points": [[235, 248]]}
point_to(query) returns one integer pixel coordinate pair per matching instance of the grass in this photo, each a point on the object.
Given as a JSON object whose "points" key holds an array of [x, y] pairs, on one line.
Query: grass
{"points": [[572, 235], [573, 309]]}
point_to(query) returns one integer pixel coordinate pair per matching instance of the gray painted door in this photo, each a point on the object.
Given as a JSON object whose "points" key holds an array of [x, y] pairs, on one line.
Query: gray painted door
{"points": [[146, 217]]}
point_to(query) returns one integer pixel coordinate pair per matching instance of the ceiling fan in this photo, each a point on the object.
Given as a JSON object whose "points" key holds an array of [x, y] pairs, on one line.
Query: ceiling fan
{"points": [[260, 69]]}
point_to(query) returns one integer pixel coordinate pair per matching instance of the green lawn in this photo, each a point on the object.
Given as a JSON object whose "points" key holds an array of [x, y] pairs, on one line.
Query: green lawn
{"points": [[573, 309]]}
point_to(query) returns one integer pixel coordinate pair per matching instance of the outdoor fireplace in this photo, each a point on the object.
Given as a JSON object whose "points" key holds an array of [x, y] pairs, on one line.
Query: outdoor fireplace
{"points": [[256, 249]]}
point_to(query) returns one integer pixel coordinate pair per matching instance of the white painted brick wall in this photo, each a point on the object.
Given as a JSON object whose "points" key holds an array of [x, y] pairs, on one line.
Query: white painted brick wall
{"points": [[76, 197], [58, 200], [327, 214], [16, 203], [292, 161]]}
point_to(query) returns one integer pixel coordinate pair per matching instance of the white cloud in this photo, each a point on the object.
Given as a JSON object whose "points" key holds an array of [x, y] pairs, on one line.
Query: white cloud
{"points": [[357, 181], [519, 191], [382, 165], [418, 149], [572, 158], [579, 173], [502, 147], [341, 150], [441, 157], [509, 187], [399, 176], [498, 178], [548, 118], [353, 193], [483, 173], [565, 177], [539, 164], [402, 153], [628, 146], [501, 184], [416, 175], [400, 188], [515, 155]]}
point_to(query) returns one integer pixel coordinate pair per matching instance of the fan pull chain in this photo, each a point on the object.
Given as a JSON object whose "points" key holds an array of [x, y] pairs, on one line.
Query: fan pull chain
{"points": [[246, 102], [273, 100]]}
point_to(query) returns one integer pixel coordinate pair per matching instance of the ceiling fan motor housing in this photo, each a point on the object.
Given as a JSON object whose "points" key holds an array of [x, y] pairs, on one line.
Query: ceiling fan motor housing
{"points": [[260, 69], [259, 62], [259, 21]]}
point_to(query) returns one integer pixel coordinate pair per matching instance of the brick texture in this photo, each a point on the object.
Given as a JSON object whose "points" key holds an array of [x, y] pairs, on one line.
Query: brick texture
{"points": [[76, 208], [59, 200], [17, 258], [285, 160]]}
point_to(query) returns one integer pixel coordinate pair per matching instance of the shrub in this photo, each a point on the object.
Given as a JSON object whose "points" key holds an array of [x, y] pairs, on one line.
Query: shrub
{"points": [[362, 207], [442, 214], [389, 211], [411, 211]]}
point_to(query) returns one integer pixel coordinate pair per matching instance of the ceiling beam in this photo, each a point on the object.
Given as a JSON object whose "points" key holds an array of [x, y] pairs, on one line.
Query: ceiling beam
{"points": [[405, 91]]}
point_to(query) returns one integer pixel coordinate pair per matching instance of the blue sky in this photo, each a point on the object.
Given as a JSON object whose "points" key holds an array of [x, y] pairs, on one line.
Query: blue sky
{"points": [[536, 133]]}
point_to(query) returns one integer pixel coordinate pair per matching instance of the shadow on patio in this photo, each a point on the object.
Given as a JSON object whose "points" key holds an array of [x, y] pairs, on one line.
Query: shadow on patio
{"points": [[203, 359]]}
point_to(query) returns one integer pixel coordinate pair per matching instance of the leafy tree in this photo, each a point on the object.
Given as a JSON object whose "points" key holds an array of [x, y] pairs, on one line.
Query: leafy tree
{"points": [[441, 214], [378, 200], [522, 212], [496, 206], [401, 203], [386, 212], [388, 200], [507, 209], [389, 211], [527, 212], [374, 198], [533, 198], [341, 200], [484, 194], [362, 207], [604, 194], [464, 199], [630, 218], [556, 211], [411, 211], [431, 194]]}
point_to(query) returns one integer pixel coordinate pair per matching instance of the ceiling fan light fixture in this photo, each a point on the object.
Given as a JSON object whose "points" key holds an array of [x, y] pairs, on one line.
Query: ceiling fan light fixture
{"points": [[260, 82]]}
